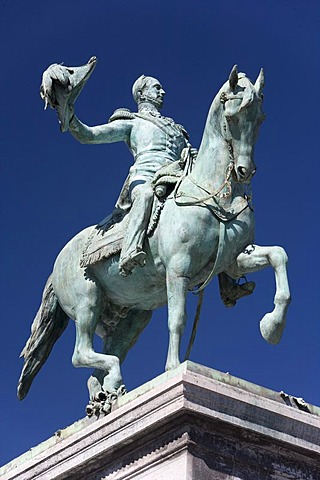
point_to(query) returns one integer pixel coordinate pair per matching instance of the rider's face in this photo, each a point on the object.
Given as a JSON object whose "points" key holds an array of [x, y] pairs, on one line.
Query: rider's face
{"points": [[154, 92]]}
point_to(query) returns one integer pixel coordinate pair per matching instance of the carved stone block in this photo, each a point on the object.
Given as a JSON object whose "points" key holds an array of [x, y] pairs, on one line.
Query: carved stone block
{"points": [[192, 423]]}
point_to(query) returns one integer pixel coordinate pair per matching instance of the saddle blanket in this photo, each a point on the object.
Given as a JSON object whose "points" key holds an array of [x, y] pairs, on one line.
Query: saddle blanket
{"points": [[106, 239]]}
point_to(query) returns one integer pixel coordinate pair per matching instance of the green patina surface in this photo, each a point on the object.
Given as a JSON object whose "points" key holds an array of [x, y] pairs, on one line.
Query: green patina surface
{"points": [[115, 297]]}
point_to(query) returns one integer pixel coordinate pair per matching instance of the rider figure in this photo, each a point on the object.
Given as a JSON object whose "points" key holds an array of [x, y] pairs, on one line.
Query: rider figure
{"points": [[154, 141]]}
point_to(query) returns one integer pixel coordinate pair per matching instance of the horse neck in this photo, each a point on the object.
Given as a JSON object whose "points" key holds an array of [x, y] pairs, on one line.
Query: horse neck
{"points": [[213, 156]]}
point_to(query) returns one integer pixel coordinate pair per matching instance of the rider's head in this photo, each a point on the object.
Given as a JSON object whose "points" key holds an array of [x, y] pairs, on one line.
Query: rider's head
{"points": [[148, 90]]}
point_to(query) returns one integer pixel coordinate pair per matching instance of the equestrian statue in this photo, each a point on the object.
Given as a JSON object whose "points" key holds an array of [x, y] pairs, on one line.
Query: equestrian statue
{"points": [[110, 277]]}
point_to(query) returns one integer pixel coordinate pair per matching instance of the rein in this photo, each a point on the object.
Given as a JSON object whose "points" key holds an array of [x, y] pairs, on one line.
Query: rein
{"points": [[226, 183], [197, 201], [195, 326], [200, 291]]}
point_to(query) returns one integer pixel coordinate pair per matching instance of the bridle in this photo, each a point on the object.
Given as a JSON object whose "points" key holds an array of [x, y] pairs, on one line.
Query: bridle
{"points": [[224, 97], [218, 193], [230, 168], [196, 201]]}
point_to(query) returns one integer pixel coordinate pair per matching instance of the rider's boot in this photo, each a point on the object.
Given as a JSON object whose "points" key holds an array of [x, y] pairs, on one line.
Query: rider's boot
{"points": [[231, 291]]}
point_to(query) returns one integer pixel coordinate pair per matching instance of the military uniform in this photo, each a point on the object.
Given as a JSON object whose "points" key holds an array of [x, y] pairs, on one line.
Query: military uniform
{"points": [[155, 142], [162, 145]]}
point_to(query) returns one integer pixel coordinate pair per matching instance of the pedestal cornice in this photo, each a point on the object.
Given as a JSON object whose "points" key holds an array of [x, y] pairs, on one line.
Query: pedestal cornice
{"points": [[193, 422]]}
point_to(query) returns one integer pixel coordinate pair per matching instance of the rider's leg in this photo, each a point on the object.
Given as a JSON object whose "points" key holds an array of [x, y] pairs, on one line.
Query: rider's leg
{"points": [[132, 253]]}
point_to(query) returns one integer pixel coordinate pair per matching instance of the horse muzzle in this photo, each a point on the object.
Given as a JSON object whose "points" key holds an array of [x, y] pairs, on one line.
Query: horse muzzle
{"points": [[244, 174]]}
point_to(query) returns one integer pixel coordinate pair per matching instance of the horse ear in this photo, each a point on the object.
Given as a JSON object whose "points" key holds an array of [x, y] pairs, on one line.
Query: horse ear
{"points": [[233, 77], [259, 82]]}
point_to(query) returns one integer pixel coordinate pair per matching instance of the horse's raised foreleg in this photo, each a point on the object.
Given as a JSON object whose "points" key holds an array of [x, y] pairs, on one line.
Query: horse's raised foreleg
{"points": [[255, 258], [176, 292]]}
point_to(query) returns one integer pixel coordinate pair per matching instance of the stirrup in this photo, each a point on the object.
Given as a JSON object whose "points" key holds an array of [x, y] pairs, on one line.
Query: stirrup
{"points": [[135, 259], [236, 292]]}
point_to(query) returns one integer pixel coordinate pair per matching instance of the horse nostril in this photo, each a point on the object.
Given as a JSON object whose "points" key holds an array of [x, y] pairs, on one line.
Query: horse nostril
{"points": [[242, 171]]}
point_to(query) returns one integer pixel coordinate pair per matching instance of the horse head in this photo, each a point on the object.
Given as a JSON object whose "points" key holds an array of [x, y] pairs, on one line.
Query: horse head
{"points": [[240, 117]]}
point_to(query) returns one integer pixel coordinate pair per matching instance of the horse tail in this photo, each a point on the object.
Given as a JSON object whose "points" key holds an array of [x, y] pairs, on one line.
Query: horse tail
{"points": [[49, 323]]}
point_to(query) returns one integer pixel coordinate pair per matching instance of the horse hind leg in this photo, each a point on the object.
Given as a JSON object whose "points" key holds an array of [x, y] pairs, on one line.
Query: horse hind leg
{"points": [[255, 258], [84, 355], [117, 342], [127, 333]]}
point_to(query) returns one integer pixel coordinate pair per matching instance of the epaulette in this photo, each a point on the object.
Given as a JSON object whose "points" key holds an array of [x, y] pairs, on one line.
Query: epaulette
{"points": [[183, 130], [121, 114]]}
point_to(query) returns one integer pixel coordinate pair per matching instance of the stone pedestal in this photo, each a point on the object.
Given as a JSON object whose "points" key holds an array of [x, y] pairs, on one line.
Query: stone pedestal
{"points": [[191, 423]]}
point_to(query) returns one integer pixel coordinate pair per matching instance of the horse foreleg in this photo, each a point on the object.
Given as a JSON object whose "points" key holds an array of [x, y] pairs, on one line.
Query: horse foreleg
{"points": [[255, 258], [177, 316]]}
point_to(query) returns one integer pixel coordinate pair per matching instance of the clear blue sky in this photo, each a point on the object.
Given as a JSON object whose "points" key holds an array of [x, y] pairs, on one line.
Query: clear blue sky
{"points": [[52, 187]]}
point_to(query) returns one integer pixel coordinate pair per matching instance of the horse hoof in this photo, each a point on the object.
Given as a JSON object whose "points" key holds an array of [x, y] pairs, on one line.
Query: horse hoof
{"points": [[103, 401], [271, 328], [101, 396], [106, 408], [121, 390], [89, 410]]}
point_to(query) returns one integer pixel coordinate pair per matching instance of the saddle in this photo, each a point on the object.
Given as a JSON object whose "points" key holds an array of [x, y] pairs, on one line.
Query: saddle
{"points": [[106, 239]]}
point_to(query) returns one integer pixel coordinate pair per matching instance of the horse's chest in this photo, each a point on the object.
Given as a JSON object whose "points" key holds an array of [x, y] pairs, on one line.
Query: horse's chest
{"points": [[191, 240], [188, 236]]}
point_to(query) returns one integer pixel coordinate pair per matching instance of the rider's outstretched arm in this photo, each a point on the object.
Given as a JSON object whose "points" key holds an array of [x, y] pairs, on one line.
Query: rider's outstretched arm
{"points": [[117, 131]]}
